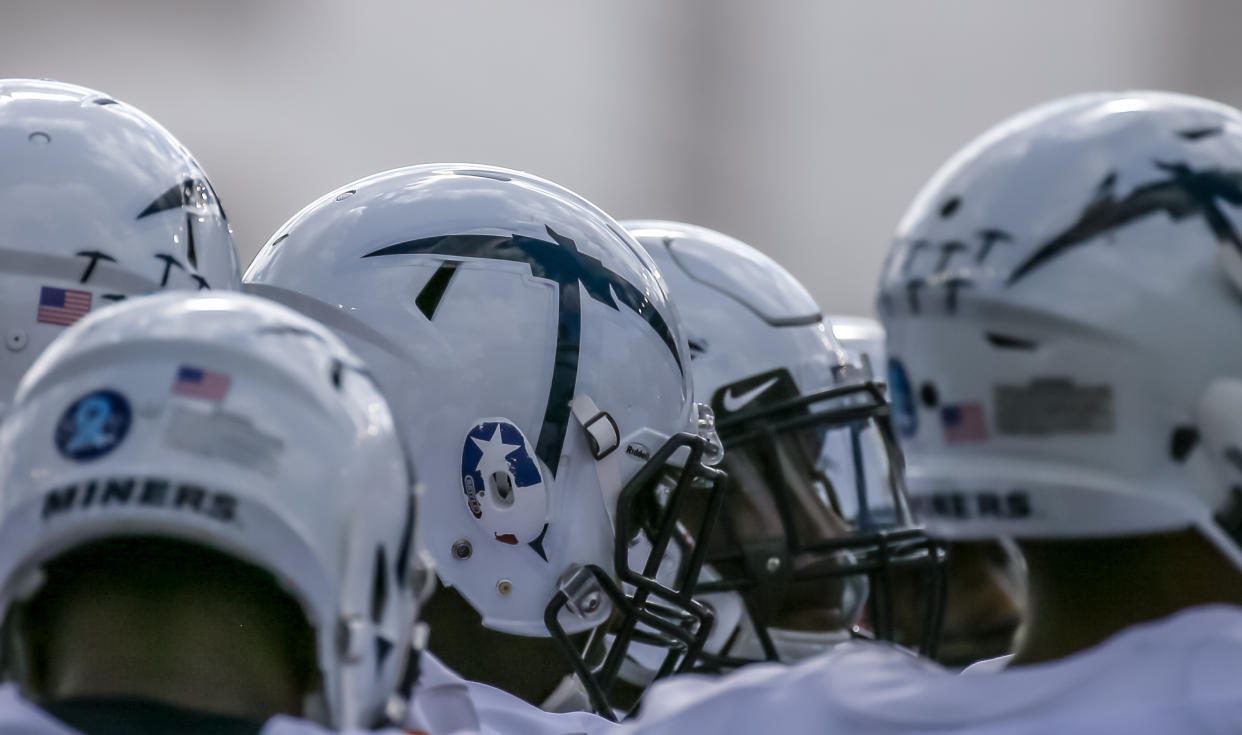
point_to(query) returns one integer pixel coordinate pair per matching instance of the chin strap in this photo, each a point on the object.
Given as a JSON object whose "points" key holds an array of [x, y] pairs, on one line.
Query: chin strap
{"points": [[604, 439], [602, 432]]}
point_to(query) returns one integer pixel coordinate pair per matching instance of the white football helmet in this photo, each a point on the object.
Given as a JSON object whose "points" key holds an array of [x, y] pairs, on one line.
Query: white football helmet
{"points": [[1064, 329], [531, 354], [816, 514], [97, 202], [237, 424]]}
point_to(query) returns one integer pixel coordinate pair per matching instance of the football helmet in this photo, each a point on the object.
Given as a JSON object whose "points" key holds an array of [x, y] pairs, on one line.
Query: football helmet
{"points": [[97, 202], [231, 422], [815, 521], [531, 354], [1064, 329]]}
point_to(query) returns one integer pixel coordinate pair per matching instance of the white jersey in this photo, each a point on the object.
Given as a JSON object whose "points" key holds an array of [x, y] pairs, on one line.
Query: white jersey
{"points": [[445, 704], [1177, 675], [21, 717]]}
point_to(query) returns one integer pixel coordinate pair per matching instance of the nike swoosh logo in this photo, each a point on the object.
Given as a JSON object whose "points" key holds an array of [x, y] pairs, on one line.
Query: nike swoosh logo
{"points": [[733, 403]]}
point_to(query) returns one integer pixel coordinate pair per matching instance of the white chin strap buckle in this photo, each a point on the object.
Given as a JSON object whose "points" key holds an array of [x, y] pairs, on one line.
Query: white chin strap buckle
{"points": [[601, 429]]}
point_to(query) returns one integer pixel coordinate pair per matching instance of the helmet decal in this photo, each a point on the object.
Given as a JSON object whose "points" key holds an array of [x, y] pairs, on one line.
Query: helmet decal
{"points": [[560, 261], [502, 482], [1185, 193], [62, 306], [905, 416], [194, 193], [428, 299], [754, 392], [93, 425], [184, 194], [94, 256]]}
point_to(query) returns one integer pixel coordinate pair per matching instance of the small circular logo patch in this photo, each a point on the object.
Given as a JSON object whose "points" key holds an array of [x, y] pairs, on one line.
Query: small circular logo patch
{"points": [[93, 425]]}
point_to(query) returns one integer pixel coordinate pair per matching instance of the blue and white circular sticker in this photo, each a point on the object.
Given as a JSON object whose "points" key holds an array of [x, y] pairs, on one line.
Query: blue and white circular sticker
{"points": [[93, 425]]}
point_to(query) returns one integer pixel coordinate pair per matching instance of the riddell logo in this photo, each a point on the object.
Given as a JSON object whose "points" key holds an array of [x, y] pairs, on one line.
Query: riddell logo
{"points": [[149, 491], [637, 451], [1009, 506]]}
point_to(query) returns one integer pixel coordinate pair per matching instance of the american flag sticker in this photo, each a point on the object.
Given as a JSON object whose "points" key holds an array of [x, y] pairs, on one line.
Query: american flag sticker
{"points": [[198, 383], [963, 423], [62, 306]]}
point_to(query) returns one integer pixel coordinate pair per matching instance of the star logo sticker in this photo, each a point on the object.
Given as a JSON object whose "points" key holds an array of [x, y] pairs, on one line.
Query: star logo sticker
{"points": [[503, 484], [495, 451]]}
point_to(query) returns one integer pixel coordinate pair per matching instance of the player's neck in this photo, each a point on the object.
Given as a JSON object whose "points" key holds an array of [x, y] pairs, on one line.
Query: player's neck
{"points": [[480, 654], [1081, 593], [199, 658]]}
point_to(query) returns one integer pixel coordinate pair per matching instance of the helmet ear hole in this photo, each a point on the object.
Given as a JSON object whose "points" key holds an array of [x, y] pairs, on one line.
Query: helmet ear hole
{"points": [[501, 485]]}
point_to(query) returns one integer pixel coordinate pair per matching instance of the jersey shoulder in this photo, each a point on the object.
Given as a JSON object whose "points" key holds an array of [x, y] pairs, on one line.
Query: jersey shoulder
{"points": [[444, 703], [1174, 675], [761, 697]]}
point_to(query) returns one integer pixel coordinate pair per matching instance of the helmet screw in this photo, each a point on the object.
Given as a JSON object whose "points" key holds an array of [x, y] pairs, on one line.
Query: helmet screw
{"points": [[591, 603], [773, 565], [504, 587], [16, 340], [462, 549]]}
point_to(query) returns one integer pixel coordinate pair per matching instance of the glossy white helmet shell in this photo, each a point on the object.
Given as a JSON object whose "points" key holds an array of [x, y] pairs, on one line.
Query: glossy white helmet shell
{"points": [[97, 202], [1062, 335], [491, 304], [234, 423]]}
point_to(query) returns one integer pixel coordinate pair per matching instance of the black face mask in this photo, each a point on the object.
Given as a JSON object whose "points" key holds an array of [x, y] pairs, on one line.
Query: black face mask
{"points": [[816, 519], [673, 500]]}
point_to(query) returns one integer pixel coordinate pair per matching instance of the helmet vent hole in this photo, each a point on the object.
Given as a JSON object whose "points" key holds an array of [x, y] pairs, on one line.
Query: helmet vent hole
{"points": [[1009, 342], [379, 586], [948, 208], [280, 239], [39, 137], [929, 395], [1200, 133], [1182, 442], [101, 101], [501, 483]]}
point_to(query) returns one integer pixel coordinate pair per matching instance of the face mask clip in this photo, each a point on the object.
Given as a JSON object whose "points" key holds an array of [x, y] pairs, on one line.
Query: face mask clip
{"points": [[583, 595]]}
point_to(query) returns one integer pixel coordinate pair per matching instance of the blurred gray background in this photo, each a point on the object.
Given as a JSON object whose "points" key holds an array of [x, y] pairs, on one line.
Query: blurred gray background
{"points": [[802, 127]]}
